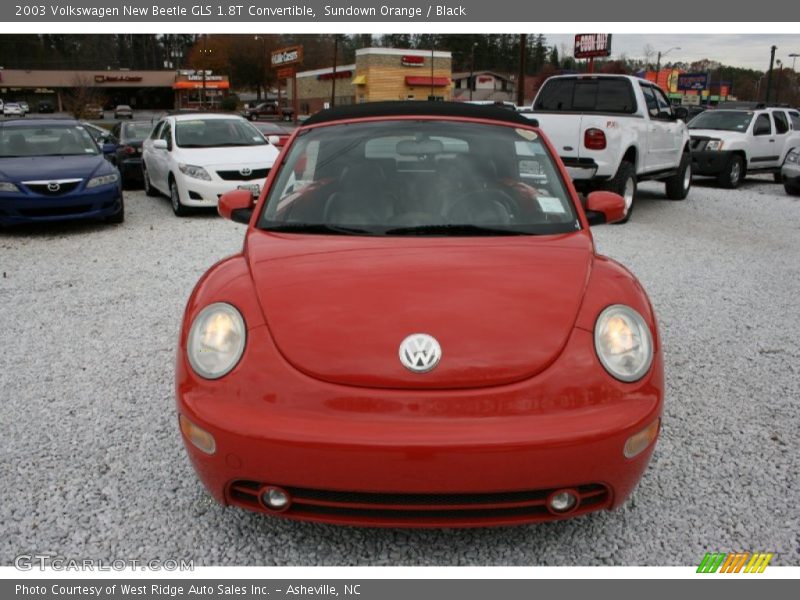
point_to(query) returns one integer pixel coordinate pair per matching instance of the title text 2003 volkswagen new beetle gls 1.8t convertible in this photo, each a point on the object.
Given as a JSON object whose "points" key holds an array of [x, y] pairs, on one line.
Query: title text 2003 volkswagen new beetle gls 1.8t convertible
{"points": [[418, 332]]}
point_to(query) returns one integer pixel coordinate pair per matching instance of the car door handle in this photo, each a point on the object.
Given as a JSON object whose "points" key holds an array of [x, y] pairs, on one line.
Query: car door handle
{"points": [[772, 141]]}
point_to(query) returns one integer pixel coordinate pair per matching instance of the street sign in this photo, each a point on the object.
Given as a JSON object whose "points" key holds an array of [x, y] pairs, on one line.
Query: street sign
{"points": [[286, 56], [591, 45], [692, 81]]}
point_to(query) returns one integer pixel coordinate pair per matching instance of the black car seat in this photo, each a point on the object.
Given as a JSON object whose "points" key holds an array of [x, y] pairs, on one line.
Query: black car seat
{"points": [[362, 198]]}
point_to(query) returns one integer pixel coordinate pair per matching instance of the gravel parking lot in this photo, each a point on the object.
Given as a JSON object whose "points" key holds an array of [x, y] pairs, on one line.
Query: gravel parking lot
{"points": [[93, 465]]}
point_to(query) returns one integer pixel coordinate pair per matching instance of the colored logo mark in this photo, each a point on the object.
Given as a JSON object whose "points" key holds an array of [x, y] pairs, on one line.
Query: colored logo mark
{"points": [[735, 562]]}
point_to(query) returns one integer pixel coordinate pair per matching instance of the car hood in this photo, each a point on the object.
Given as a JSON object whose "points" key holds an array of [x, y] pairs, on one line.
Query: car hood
{"points": [[719, 134], [338, 308], [234, 156], [52, 167]]}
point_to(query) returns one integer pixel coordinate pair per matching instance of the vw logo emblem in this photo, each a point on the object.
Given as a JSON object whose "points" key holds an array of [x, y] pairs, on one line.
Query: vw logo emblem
{"points": [[420, 352], [246, 172], [53, 186]]}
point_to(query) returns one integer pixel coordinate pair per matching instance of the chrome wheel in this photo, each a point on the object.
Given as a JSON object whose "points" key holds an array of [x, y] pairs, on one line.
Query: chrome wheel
{"points": [[630, 188], [687, 177], [736, 172]]}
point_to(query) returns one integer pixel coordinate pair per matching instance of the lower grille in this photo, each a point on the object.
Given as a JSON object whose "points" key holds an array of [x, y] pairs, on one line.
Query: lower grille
{"points": [[55, 211], [410, 509], [237, 175]]}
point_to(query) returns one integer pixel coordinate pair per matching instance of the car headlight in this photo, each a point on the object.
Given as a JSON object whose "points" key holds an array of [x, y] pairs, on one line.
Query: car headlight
{"points": [[792, 157], [216, 340], [714, 145], [623, 343], [102, 180], [7, 186], [194, 171]]}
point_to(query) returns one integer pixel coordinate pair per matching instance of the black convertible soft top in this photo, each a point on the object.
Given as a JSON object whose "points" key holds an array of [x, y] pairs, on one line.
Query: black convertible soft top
{"points": [[419, 108]]}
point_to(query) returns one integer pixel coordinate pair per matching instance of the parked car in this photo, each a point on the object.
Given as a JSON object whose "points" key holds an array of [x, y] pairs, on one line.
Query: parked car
{"points": [[269, 129], [12, 109], [418, 332], [93, 111], [25, 108], [729, 144], [1, 105], [790, 173], [45, 106], [613, 131], [52, 170], [127, 139], [268, 110], [194, 158], [123, 111]]}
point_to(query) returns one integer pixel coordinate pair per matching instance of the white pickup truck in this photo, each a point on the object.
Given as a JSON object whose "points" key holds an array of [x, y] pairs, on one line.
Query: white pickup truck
{"points": [[612, 131]]}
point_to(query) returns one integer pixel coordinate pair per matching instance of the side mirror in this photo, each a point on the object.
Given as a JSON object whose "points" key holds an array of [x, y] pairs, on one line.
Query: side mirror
{"points": [[160, 145], [681, 112], [274, 140], [236, 205], [604, 207], [109, 147], [762, 130]]}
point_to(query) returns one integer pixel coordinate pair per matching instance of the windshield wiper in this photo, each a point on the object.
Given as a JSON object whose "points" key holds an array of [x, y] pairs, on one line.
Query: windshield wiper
{"points": [[462, 229], [317, 228]]}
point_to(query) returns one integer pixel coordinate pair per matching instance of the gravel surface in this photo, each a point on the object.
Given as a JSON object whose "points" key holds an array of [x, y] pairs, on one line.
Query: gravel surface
{"points": [[93, 465]]}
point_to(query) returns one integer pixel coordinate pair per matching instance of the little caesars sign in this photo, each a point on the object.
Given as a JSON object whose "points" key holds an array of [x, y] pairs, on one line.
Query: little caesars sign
{"points": [[287, 56]]}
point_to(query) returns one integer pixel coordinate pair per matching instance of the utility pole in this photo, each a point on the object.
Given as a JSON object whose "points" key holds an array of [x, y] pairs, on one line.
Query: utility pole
{"points": [[523, 42], [769, 74], [472, 70], [778, 84], [333, 78], [203, 65], [432, 97]]}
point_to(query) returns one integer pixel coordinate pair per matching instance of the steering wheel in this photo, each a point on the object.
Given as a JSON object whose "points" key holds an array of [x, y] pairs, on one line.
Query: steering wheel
{"points": [[483, 207]]}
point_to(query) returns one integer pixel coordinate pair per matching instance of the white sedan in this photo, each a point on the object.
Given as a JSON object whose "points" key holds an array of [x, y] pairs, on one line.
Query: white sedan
{"points": [[195, 158], [12, 109]]}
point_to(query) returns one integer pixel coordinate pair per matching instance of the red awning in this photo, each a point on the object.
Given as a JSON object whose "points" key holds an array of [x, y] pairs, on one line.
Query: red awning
{"points": [[416, 81], [198, 85]]}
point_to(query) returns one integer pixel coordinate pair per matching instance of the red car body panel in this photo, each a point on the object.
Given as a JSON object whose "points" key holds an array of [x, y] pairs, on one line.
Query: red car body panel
{"points": [[519, 407]]}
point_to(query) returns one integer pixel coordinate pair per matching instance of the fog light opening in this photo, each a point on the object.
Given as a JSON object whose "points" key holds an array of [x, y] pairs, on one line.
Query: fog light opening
{"points": [[199, 437], [275, 499], [562, 502], [640, 441]]}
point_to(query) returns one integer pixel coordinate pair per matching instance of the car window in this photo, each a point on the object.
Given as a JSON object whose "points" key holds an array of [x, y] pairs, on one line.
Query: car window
{"points": [[795, 117], [723, 120], [135, 131], [215, 133], [781, 122], [424, 177], [46, 140], [156, 133], [650, 100], [762, 125], [663, 104], [603, 95], [166, 132]]}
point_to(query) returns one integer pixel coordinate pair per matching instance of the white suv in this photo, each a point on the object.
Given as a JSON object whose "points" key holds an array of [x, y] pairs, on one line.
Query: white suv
{"points": [[195, 158], [728, 144]]}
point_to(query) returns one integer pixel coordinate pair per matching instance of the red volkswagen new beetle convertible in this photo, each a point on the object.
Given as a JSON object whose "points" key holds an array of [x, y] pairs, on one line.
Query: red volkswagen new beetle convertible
{"points": [[418, 332]]}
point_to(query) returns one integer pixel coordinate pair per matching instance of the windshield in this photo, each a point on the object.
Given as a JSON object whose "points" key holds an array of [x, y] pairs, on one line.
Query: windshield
{"points": [[46, 140], [728, 120], [213, 133], [423, 177], [136, 131]]}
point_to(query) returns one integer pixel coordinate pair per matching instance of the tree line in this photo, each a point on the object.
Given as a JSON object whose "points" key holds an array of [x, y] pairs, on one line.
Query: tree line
{"points": [[245, 57]]}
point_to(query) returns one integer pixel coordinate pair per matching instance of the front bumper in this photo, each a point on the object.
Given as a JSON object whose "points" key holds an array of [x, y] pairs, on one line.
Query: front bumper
{"points": [[96, 203], [198, 192], [710, 162], [406, 458]]}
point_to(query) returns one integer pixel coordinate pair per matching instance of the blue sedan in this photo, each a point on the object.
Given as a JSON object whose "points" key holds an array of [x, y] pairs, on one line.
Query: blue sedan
{"points": [[53, 170]]}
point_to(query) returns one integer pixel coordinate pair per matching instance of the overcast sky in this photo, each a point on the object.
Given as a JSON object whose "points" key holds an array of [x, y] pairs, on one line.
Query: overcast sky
{"points": [[747, 51]]}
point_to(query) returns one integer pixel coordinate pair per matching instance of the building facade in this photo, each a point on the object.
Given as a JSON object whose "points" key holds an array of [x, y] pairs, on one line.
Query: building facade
{"points": [[378, 74]]}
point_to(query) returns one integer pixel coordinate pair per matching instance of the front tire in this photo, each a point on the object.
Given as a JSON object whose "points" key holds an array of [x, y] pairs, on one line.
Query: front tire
{"points": [[678, 186], [175, 199], [733, 174], [792, 190], [148, 187], [624, 184], [119, 216]]}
